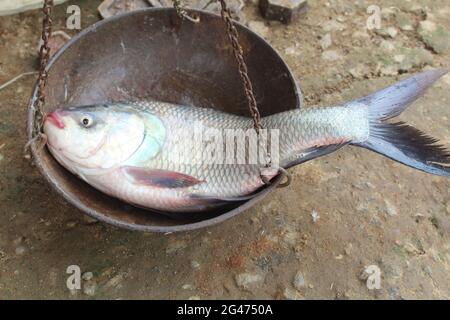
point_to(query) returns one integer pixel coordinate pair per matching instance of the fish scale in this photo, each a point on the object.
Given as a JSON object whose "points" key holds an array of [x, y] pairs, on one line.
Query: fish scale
{"points": [[297, 129]]}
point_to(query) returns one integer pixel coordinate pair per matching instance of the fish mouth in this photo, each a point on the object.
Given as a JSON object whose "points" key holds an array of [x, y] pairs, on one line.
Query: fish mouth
{"points": [[55, 119]]}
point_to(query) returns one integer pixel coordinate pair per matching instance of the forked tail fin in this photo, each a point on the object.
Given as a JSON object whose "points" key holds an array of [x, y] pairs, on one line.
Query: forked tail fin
{"points": [[400, 141]]}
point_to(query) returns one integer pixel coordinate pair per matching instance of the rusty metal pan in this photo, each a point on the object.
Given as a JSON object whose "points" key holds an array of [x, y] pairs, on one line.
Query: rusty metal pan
{"points": [[152, 53]]}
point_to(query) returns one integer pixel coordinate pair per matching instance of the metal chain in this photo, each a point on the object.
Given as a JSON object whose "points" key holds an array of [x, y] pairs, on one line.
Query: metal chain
{"points": [[44, 56], [248, 88], [183, 13], [243, 70]]}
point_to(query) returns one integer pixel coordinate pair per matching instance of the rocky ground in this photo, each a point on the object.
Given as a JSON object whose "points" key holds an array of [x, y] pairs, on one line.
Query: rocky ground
{"points": [[342, 213]]}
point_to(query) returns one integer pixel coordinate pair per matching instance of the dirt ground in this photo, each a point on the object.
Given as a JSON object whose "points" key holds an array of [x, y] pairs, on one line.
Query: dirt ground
{"points": [[368, 209]]}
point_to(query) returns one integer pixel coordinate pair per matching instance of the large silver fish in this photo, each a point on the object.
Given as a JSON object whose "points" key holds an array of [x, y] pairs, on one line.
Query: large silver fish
{"points": [[132, 150]]}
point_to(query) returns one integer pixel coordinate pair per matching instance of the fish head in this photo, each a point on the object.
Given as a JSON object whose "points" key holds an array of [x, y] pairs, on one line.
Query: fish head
{"points": [[94, 137]]}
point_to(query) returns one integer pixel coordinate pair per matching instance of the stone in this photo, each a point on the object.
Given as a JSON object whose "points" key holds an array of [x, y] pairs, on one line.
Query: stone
{"points": [[259, 27], [392, 32], [389, 70], [188, 287], [299, 281], [20, 250], [88, 220], [389, 32], [248, 281], [284, 11], [195, 264], [293, 50], [315, 216], [348, 249], [391, 210], [71, 224], [435, 37], [326, 41], [87, 276]]}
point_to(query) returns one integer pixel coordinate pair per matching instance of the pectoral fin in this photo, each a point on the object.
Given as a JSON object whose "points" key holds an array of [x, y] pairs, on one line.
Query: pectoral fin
{"points": [[160, 178]]}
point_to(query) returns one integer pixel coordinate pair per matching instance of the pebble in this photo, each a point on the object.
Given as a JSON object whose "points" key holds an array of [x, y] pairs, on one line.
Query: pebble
{"points": [[299, 281], [315, 216], [348, 249], [187, 287], [259, 27], [284, 11], [390, 32], [87, 276], [71, 224], [20, 250], [248, 281], [325, 42], [195, 264], [389, 71], [331, 55], [88, 219], [412, 249], [390, 208], [435, 37], [292, 51]]}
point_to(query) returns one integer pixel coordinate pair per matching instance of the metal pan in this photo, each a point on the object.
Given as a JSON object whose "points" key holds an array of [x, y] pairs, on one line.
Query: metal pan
{"points": [[152, 53]]}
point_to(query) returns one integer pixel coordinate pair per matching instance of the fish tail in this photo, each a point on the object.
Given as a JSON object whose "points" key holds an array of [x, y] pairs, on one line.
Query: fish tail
{"points": [[400, 141]]}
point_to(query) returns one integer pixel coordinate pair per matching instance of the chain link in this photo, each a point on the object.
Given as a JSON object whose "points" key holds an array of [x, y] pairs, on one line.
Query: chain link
{"points": [[243, 70], [183, 13], [248, 88], [44, 56]]}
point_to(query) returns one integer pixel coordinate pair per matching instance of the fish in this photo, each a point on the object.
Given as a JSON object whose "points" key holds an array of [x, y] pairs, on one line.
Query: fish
{"points": [[146, 153]]}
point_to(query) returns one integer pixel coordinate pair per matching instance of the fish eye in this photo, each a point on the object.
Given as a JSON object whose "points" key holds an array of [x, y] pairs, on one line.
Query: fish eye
{"points": [[87, 121]]}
